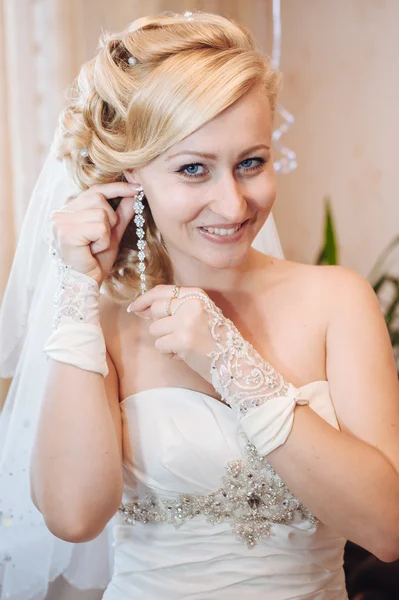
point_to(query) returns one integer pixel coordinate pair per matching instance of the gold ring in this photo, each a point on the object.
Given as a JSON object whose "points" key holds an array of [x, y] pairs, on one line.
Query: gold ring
{"points": [[168, 301], [175, 291], [174, 295]]}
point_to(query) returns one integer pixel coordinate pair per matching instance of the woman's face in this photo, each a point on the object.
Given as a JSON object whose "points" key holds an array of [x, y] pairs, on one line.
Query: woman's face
{"points": [[220, 177]]}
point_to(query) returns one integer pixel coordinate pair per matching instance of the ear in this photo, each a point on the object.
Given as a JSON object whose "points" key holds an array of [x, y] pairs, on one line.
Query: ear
{"points": [[132, 177]]}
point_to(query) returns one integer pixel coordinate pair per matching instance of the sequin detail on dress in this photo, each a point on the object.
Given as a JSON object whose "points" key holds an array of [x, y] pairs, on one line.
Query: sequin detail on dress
{"points": [[76, 297], [252, 497]]}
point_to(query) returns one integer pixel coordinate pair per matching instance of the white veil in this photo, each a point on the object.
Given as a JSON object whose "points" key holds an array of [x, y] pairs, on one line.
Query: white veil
{"points": [[30, 556]]}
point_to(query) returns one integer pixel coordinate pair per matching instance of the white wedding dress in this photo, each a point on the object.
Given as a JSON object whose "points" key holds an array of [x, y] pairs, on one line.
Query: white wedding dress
{"points": [[174, 540]]}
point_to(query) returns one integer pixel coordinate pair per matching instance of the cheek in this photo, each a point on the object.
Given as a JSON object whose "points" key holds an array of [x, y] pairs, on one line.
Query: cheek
{"points": [[265, 195], [175, 208], [271, 194]]}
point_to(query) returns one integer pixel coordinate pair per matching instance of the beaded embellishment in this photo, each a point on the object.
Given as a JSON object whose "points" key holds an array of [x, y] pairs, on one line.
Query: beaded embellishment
{"points": [[252, 498], [239, 374], [141, 243]]}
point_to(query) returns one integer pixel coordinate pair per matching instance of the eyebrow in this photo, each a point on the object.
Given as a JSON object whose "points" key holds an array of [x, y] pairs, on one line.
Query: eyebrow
{"points": [[213, 156]]}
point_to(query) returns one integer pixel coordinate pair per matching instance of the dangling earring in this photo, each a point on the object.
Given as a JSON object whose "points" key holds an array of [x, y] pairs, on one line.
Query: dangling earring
{"points": [[141, 243]]}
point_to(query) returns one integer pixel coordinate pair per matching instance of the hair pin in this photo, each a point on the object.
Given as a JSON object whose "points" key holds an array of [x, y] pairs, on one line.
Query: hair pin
{"points": [[188, 15], [84, 153], [132, 60]]}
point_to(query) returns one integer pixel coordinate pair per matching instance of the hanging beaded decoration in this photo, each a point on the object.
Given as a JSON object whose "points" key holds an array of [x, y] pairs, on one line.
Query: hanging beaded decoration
{"points": [[141, 243]]}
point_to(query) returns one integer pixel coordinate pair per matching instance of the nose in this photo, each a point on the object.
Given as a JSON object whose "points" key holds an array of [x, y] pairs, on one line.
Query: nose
{"points": [[229, 202]]}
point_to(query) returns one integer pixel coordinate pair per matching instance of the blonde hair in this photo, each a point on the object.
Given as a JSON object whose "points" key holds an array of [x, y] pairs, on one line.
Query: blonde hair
{"points": [[187, 72]]}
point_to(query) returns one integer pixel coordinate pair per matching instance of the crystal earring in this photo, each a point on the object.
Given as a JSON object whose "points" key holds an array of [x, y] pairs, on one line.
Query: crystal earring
{"points": [[141, 243]]}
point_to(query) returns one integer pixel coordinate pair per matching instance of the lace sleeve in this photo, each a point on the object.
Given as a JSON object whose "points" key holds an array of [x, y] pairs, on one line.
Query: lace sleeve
{"points": [[263, 399], [77, 336], [76, 298]]}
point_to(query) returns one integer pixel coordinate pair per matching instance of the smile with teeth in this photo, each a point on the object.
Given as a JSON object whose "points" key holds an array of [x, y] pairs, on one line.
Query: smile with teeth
{"points": [[217, 231]]}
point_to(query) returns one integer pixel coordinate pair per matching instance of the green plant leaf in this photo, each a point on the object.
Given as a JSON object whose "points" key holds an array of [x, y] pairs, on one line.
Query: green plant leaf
{"points": [[329, 253]]}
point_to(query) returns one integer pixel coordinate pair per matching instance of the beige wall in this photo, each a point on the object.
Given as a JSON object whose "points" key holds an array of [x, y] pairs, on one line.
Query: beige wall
{"points": [[340, 60]]}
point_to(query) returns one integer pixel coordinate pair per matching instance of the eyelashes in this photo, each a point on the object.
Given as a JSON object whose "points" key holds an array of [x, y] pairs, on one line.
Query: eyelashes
{"points": [[183, 170]]}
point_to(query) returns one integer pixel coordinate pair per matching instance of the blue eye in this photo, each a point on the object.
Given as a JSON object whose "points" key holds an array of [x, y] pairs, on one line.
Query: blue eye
{"points": [[191, 173], [185, 169]]}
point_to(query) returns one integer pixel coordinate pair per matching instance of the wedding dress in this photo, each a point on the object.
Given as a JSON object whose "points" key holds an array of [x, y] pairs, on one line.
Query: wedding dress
{"points": [[190, 524]]}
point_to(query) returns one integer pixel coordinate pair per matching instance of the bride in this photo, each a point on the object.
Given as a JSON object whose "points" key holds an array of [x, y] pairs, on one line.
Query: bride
{"points": [[233, 416]]}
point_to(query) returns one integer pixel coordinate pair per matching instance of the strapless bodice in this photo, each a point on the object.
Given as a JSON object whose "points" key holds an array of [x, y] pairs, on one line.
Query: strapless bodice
{"points": [[192, 482]]}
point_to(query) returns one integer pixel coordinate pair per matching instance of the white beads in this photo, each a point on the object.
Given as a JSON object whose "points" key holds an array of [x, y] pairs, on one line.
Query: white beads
{"points": [[192, 296], [139, 221], [138, 207], [132, 60]]}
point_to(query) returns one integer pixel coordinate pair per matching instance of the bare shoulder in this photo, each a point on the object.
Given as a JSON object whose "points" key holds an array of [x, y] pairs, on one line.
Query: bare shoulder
{"points": [[316, 274], [335, 288], [326, 294], [344, 291]]}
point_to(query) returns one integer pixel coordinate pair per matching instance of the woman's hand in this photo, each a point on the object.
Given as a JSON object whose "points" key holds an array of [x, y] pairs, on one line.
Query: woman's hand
{"points": [[88, 238], [185, 335]]}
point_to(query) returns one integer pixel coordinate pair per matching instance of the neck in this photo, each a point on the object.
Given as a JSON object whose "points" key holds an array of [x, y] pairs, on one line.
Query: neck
{"points": [[223, 282]]}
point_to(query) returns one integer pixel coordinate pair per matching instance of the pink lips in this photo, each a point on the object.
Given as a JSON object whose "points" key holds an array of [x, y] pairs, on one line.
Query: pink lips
{"points": [[224, 239]]}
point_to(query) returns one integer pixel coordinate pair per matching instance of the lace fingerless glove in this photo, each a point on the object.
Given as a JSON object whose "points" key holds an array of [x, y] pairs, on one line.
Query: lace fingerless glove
{"points": [[263, 399], [77, 336]]}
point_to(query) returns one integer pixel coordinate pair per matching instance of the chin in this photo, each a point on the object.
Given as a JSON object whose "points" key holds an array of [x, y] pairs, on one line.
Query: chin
{"points": [[226, 260]]}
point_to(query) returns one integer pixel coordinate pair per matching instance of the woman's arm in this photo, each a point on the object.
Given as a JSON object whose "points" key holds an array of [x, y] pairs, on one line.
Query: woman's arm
{"points": [[349, 479], [76, 466]]}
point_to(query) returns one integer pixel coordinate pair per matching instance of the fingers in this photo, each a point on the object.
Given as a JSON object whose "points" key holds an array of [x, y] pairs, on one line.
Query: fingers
{"points": [[166, 345], [102, 211], [159, 308], [161, 327], [156, 294], [90, 213], [89, 227], [91, 221], [143, 302], [115, 189], [125, 213], [97, 195], [103, 242]]}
